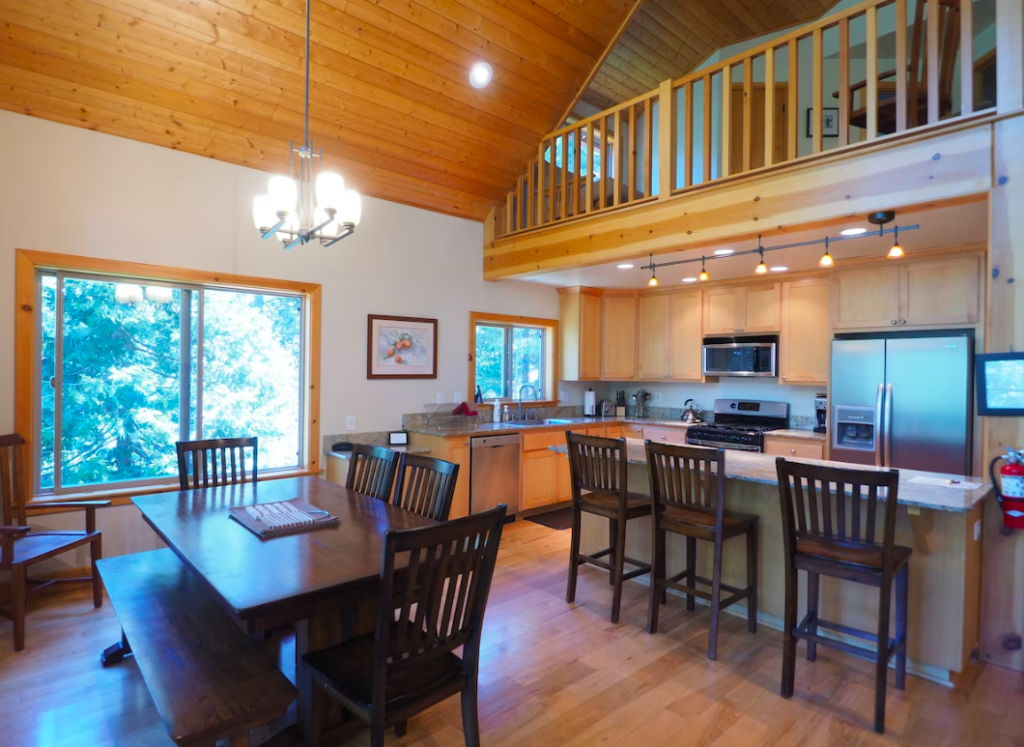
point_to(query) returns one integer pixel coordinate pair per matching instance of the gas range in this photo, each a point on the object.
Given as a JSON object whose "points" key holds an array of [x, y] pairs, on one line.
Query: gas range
{"points": [[739, 424]]}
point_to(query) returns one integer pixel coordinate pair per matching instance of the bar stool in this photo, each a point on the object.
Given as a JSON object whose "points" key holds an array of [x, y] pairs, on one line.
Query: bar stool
{"points": [[597, 467], [829, 538], [688, 498]]}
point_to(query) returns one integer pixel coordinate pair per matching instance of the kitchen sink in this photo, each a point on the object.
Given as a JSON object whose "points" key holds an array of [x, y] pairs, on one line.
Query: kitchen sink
{"points": [[558, 421], [543, 421]]}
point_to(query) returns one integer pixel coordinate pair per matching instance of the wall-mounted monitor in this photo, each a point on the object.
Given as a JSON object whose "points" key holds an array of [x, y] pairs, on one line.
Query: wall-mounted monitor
{"points": [[1000, 378]]}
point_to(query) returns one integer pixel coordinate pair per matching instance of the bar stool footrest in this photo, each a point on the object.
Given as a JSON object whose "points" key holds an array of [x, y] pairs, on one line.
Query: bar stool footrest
{"points": [[803, 632]]}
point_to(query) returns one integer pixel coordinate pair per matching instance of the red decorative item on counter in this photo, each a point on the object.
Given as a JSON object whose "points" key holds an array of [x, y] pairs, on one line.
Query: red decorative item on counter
{"points": [[1010, 488], [465, 409]]}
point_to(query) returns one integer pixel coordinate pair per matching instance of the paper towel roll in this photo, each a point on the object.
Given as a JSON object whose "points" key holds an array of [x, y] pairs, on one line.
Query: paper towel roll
{"points": [[589, 402]]}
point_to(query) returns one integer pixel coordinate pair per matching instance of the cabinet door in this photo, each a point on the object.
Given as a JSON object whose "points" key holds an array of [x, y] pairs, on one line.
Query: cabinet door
{"points": [[590, 336], [721, 311], [675, 436], [686, 336], [794, 447], [760, 310], [563, 490], [653, 337], [633, 431], [618, 338], [862, 299], [940, 291], [457, 451], [540, 478], [804, 341]]}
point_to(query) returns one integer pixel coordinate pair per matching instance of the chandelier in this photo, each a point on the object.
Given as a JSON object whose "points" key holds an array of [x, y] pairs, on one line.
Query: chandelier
{"points": [[309, 204]]}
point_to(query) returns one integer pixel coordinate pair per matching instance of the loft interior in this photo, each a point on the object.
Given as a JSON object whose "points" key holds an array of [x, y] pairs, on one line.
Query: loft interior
{"points": [[364, 355]]}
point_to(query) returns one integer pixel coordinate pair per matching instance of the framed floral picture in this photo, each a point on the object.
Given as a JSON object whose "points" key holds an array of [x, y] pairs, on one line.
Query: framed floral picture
{"points": [[401, 347]]}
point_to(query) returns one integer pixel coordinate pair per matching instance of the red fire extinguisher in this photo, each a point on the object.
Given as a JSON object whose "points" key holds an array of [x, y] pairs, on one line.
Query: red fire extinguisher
{"points": [[1010, 489]]}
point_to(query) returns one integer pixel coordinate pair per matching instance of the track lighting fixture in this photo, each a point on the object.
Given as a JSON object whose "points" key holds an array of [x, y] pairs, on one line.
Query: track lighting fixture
{"points": [[762, 268], [653, 282], [703, 273], [826, 258], [897, 251]]}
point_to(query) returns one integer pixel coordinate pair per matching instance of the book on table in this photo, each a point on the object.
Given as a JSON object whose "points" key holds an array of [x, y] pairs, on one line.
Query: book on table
{"points": [[267, 520]]}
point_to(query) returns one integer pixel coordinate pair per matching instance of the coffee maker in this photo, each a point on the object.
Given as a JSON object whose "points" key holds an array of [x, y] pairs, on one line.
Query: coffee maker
{"points": [[820, 411]]}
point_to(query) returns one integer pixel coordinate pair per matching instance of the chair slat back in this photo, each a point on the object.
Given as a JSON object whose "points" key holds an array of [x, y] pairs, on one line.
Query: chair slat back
{"points": [[597, 465], [437, 602], [215, 462], [807, 490], [426, 486], [12, 484], [371, 471], [687, 476]]}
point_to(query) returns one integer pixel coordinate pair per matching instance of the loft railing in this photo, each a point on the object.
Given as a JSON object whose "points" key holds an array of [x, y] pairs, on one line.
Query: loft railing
{"points": [[880, 68]]}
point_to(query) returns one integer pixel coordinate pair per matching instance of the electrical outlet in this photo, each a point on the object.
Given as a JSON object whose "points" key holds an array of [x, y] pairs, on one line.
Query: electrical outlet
{"points": [[440, 398], [977, 530], [457, 397], [350, 422], [562, 396], [657, 397]]}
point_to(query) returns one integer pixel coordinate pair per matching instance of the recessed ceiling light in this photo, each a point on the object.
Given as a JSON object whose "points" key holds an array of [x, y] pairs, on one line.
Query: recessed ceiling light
{"points": [[853, 231], [480, 75], [626, 266], [689, 280], [723, 252], [779, 268]]}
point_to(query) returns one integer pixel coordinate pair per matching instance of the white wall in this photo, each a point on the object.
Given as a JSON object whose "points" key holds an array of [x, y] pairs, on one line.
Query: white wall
{"points": [[73, 191]]}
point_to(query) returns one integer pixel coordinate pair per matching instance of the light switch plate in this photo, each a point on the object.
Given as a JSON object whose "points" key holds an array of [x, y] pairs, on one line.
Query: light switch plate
{"points": [[457, 397], [562, 397], [440, 398], [350, 422], [977, 530], [657, 397]]}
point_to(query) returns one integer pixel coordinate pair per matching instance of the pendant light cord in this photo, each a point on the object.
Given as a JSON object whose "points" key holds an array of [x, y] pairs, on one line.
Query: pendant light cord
{"points": [[308, 4]]}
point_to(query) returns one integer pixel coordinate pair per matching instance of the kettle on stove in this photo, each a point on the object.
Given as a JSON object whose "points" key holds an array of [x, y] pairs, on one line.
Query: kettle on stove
{"points": [[690, 414]]}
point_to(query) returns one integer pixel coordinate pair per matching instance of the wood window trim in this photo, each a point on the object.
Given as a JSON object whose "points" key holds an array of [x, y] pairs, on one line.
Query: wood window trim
{"points": [[28, 263], [551, 325]]}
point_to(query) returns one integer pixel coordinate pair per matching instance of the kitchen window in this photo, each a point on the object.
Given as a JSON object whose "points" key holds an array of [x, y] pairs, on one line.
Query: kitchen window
{"points": [[124, 367], [509, 353]]}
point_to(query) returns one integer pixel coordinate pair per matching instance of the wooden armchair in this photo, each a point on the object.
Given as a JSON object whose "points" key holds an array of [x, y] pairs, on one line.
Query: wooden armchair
{"points": [[21, 547]]}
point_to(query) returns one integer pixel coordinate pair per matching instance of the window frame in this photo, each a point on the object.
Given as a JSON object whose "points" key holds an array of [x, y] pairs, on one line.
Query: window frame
{"points": [[551, 359], [27, 346]]}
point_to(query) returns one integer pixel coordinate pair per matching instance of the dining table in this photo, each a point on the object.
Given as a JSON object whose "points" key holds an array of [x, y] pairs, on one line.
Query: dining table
{"points": [[323, 581]]}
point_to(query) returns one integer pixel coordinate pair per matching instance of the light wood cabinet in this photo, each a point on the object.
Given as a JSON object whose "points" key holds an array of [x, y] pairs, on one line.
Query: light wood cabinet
{"points": [[653, 337], [915, 293], [631, 430], [579, 333], [618, 336], [665, 435], [686, 343], [799, 448], [669, 337], [456, 450], [540, 478], [755, 308], [804, 337]]}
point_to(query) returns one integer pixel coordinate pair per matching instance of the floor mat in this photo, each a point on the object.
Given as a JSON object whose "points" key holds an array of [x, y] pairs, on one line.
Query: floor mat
{"points": [[560, 519]]}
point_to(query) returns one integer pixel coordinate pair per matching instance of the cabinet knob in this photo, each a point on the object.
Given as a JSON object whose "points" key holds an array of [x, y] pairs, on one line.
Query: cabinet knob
{"points": [[792, 451], [893, 321], [903, 321], [783, 378], [662, 438], [631, 376]]}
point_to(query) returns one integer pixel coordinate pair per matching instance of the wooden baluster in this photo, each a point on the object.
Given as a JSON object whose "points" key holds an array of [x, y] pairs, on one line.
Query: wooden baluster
{"points": [[521, 210], [666, 140], [769, 107], [552, 210], [748, 109], [792, 101], [565, 173], [576, 169], [817, 133], [509, 207], [726, 157], [631, 154], [901, 67], [539, 199], [588, 177], [648, 145], [932, 53], [707, 128], [1010, 60], [531, 200], [966, 57], [844, 81], [688, 136], [600, 151], [616, 170], [871, 71]]}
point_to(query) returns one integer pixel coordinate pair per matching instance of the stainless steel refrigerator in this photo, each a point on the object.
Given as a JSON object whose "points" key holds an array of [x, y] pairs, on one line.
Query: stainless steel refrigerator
{"points": [[903, 401]]}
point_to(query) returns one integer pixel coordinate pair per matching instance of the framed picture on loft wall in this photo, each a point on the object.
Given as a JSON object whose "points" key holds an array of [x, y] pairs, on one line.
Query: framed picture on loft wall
{"points": [[401, 347], [829, 122]]}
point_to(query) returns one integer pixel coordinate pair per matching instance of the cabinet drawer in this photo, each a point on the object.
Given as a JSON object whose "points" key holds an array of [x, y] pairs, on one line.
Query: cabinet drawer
{"points": [[601, 432], [633, 431], [536, 441], [666, 435], [794, 447]]}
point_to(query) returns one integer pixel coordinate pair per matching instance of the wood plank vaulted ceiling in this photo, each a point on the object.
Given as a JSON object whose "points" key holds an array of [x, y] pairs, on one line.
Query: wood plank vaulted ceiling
{"points": [[669, 38], [391, 103]]}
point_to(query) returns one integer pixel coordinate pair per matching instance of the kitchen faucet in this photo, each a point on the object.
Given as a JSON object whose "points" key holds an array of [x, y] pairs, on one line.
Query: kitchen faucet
{"points": [[535, 397]]}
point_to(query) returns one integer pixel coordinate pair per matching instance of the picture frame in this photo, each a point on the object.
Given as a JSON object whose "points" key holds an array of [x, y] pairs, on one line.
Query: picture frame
{"points": [[829, 120], [401, 347]]}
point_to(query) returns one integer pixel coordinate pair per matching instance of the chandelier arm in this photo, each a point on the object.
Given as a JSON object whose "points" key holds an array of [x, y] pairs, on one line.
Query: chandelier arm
{"points": [[266, 233], [349, 229]]}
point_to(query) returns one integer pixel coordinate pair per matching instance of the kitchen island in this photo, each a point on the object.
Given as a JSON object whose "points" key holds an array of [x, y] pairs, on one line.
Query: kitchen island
{"points": [[941, 522]]}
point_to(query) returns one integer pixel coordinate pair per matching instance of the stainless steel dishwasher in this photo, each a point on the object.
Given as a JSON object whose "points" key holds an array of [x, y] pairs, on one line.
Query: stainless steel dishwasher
{"points": [[494, 473]]}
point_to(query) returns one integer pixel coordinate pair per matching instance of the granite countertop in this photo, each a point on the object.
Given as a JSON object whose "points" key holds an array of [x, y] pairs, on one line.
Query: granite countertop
{"points": [[795, 433], [399, 449], [485, 427], [756, 467]]}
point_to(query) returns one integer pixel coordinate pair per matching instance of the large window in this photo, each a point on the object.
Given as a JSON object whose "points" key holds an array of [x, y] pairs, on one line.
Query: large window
{"points": [[510, 356], [129, 367]]}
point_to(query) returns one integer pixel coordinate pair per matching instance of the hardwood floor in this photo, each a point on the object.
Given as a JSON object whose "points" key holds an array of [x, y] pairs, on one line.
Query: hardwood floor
{"points": [[552, 675]]}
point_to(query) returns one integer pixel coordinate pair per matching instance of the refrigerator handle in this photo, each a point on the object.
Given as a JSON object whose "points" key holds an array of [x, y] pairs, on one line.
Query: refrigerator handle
{"points": [[888, 425], [878, 425]]}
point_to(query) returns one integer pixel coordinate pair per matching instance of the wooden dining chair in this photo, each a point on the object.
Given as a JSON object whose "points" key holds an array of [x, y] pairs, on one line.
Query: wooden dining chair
{"points": [[426, 610], [426, 486], [22, 548], [371, 471], [829, 522], [597, 468], [216, 462], [688, 498]]}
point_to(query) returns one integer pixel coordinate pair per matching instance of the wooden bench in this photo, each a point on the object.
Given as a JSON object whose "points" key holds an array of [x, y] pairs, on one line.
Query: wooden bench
{"points": [[208, 680]]}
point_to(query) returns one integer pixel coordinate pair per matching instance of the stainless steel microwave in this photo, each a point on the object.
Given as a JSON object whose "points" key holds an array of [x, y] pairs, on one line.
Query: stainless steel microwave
{"points": [[740, 356]]}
